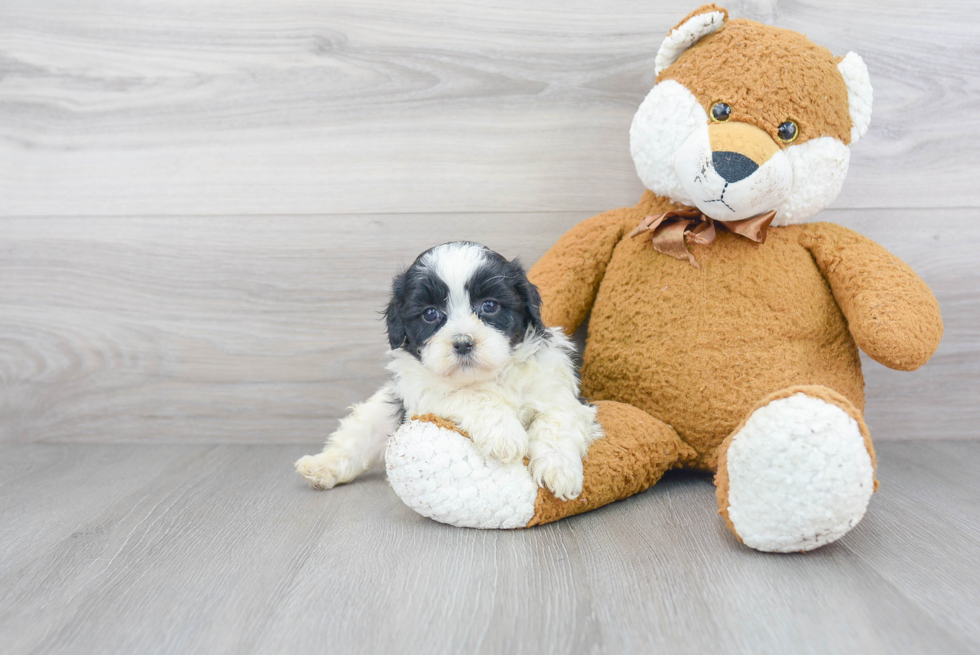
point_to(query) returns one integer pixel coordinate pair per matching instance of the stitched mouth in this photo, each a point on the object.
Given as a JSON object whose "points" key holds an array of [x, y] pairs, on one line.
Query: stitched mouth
{"points": [[721, 198], [701, 178]]}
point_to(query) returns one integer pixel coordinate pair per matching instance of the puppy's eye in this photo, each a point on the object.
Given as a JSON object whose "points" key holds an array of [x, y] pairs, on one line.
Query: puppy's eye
{"points": [[720, 112], [489, 307], [787, 132], [431, 315]]}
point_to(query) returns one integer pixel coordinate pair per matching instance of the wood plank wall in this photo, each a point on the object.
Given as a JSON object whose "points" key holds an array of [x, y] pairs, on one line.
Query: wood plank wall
{"points": [[201, 202]]}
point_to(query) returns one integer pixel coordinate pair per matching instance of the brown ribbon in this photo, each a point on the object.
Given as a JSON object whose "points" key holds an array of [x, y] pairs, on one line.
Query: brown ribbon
{"points": [[673, 229]]}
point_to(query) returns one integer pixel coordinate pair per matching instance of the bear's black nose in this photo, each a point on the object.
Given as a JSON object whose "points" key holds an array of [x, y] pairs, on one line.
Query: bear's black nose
{"points": [[733, 166], [463, 344]]}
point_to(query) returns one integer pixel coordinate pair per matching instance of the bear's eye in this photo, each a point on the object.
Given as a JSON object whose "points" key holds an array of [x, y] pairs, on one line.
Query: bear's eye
{"points": [[787, 132], [720, 112]]}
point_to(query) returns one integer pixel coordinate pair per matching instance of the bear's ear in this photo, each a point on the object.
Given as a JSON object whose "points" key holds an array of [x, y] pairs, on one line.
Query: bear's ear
{"points": [[859, 96], [698, 24]]}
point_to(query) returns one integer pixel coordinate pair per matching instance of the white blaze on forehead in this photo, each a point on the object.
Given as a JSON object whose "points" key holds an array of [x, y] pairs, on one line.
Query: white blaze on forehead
{"points": [[455, 264]]}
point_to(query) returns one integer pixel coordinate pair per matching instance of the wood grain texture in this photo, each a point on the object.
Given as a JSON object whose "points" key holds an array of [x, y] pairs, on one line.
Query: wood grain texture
{"points": [[49, 498], [360, 106], [264, 329], [224, 549]]}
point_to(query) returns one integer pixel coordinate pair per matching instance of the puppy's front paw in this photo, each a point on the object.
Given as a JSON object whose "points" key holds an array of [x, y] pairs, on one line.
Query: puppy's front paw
{"points": [[505, 440], [559, 469], [323, 471]]}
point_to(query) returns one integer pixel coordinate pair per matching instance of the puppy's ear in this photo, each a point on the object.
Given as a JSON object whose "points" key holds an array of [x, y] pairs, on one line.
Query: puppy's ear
{"points": [[393, 314], [530, 298]]}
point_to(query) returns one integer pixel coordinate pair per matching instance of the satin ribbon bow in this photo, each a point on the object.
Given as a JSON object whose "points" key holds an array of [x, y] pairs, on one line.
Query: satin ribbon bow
{"points": [[673, 229]]}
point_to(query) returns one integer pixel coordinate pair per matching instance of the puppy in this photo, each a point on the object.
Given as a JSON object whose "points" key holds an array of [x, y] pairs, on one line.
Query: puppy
{"points": [[468, 344]]}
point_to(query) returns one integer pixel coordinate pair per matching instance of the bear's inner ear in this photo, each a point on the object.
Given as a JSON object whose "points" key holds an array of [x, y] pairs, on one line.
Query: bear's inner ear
{"points": [[859, 95], [701, 22]]}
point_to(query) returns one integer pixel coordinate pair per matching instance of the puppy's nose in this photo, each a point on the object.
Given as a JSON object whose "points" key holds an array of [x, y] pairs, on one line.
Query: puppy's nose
{"points": [[733, 166], [463, 344]]}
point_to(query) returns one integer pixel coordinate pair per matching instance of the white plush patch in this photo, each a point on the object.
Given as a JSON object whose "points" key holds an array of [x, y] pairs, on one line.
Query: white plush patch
{"points": [[684, 36], [819, 168], [666, 118], [759, 192], [799, 474], [859, 93], [441, 475]]}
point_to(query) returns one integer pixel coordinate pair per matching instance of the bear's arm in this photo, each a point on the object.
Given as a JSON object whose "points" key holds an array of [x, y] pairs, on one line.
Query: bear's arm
{"points": [[568, 275], [892, 314]]}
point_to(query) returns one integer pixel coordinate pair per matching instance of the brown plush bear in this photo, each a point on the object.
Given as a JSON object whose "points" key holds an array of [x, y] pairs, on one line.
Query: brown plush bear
{"points": [[724, 331]]}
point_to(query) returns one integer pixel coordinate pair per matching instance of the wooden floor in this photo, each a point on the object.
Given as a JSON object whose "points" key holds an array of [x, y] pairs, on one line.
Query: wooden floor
{"points": [[205, 549]]}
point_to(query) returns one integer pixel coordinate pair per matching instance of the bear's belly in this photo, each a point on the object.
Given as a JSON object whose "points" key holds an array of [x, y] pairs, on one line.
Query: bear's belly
{"points": [[698, 349]]}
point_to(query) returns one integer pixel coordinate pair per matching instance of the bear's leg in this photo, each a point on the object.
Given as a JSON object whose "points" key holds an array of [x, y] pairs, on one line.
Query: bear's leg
{"points": [[798, 473], [635, 452], [437, 471]]}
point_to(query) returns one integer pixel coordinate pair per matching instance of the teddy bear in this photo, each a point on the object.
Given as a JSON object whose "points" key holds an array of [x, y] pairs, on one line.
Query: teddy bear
{"points": [[723, 329]]}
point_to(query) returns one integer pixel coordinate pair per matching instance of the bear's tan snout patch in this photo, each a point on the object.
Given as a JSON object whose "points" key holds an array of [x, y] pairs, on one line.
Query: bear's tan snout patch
{"points": [[743, 139], [739, 149]]}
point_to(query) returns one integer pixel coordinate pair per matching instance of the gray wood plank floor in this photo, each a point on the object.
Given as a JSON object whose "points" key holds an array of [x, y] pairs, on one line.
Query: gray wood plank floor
{"points": [[188, 548]]}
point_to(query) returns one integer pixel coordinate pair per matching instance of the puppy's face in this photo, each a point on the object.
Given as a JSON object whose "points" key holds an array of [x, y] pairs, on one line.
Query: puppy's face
{"points": [[460, 309]]}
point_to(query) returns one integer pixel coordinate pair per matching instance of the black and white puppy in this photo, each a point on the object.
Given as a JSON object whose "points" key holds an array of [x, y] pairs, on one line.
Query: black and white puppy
{"points": [[468, 344]]}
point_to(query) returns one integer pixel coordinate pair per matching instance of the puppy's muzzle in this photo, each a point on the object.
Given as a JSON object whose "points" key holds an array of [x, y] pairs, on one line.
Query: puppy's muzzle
{"points": [[463, 344]]}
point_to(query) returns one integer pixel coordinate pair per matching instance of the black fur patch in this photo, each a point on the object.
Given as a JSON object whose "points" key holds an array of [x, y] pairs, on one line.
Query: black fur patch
{"points": [[399, 410], [413, 292], [506, 282]]}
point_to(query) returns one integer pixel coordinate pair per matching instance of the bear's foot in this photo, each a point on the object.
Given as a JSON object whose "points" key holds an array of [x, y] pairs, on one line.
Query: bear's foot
{"points": [[439, 473], [798, 474], [437, 470]]}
